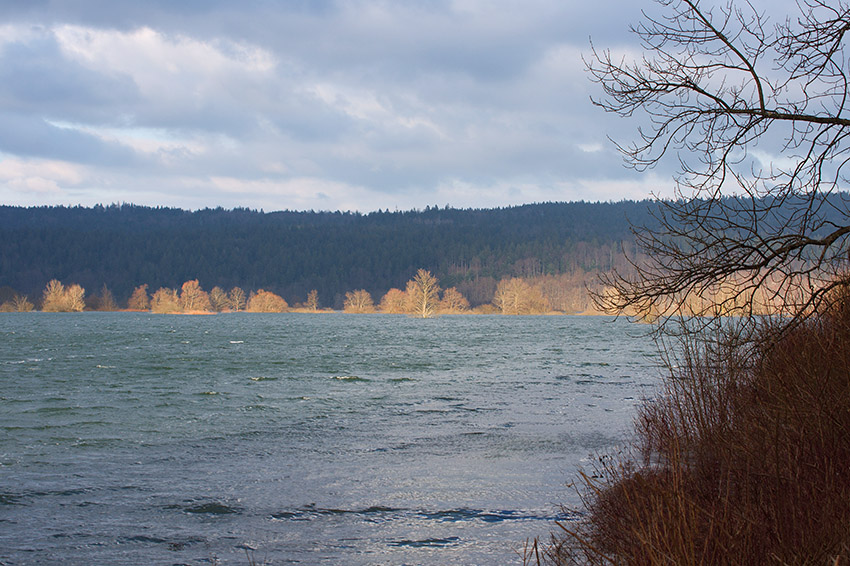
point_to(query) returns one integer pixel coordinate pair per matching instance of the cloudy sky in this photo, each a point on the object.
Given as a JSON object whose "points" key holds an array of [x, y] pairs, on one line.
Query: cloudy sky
{"points": [[310, 104]]}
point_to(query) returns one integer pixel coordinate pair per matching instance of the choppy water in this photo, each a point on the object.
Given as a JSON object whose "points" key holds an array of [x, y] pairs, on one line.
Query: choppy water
{"points": [[130, 438]]}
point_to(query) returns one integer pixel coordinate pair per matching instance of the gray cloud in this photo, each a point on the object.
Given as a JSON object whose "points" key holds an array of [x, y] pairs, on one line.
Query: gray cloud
{"points": [[34, 137], [35, 78], [357, 104]]}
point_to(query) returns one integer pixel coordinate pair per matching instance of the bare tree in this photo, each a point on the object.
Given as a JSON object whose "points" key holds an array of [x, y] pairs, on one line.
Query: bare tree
{"points": [[359, 302], [756, 115], [423, 294], [516, 296], [139, 300], [193, 298], [723, 88], [18, 303], [106, 300], [219, 300], [165, 300], [453, 302], [58, 298], [313, 300], [53, 297], [237, 299], [393, 302], [22, 304], [75, 298]]}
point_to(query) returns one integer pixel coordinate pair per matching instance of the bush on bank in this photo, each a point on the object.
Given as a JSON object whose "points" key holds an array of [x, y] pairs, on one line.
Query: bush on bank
{"points": [[742, 459]]}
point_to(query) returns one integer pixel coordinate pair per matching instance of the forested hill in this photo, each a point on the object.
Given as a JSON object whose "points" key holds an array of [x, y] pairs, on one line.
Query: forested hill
{"points": [[291, 253]]}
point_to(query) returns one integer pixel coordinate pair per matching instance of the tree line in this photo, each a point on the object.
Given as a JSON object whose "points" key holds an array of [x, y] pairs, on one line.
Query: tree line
{"points": [[422, 297], [291, 253], [559, 250]]}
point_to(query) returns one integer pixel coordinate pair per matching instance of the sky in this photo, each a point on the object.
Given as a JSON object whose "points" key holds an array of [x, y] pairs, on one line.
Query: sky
{"points": [[311, 104]]}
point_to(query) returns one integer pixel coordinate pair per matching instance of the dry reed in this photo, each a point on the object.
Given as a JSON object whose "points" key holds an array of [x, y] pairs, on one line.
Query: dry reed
{"points": [[744, 458]]}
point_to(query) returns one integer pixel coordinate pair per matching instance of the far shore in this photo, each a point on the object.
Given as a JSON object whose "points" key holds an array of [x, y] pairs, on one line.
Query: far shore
{"points": [[331, 311]]}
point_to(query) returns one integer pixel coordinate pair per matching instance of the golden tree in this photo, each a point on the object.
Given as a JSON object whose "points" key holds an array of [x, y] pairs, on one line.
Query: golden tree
{"points": [[193, 298], [453, 302], [219, 300], [139, 300], [19, 303], [22, 304], [75, 298], [53, 297], [359, 301], [266, 301], [58, 298], [517, 296], [313, 300], [393, 302], [237, 299], [423, 294], [165, 300]]}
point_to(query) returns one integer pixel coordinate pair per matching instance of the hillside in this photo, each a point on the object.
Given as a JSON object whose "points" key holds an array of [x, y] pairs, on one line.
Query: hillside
{"points": [[290, 253]]}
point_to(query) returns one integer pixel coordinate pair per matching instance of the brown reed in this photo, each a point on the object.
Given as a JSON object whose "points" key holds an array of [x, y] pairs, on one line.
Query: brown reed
{"points": [[744, 458]]}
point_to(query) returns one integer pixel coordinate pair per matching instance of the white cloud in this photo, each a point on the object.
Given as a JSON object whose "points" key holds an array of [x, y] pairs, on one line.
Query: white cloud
{"points": [[591, 147], [356, 105], [15, 33], [183, 82], [768, 160], [24, 182], [152, 141], [152, 57], [14, 169], [302, 193]]}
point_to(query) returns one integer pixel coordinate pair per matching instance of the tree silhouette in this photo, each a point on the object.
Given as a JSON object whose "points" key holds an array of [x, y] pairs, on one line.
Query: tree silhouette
{"points": [[715, 83]]}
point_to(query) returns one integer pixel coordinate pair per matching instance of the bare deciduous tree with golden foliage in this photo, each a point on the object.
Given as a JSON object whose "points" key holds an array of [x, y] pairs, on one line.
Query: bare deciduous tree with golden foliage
{"points": [[423, 294], [359, 302]]}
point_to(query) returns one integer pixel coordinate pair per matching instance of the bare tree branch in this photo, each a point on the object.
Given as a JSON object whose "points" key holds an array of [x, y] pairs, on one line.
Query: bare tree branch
{"points": [[715, 83]]}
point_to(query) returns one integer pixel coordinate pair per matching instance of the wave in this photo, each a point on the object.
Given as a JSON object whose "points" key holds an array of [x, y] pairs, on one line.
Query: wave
{"points": [[380, 512], [428, 542], [349, 378], [207, 508]]}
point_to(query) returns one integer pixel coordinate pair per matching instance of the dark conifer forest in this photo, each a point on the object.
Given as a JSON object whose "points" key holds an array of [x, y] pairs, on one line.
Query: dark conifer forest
{"points": [[290, 253]]}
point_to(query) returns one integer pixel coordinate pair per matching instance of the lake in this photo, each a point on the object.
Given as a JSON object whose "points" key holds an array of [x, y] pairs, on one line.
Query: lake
{"points": [[131, 438]]}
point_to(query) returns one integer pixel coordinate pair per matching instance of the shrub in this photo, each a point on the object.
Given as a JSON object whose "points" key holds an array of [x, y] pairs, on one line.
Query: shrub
{"points": [[266, 301], [743, 458], [165, 300]]}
